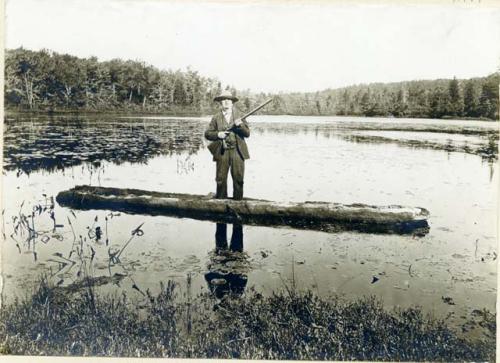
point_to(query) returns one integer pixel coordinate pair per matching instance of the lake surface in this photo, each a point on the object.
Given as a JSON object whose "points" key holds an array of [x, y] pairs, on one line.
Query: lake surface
{"points": [[448, 167]]}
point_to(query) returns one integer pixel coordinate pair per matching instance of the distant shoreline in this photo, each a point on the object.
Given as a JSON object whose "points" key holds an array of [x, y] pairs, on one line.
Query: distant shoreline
{"points": [[47, 81], [10, 111]]}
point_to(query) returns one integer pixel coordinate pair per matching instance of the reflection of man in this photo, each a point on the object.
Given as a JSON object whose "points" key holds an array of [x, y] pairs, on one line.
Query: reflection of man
{"points": [[229, 149], [227, 267]]}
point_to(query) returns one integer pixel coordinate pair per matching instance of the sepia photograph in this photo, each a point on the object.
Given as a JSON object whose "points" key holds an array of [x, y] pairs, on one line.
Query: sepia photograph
{"points": [[250, 179]]}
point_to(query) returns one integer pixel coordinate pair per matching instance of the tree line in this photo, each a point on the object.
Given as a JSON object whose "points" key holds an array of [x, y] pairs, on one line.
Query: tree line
{"points": [[471, 98], [48, 81]]}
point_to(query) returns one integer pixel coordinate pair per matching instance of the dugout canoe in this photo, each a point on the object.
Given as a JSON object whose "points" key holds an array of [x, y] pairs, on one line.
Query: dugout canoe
{"points": [[328, 217]]}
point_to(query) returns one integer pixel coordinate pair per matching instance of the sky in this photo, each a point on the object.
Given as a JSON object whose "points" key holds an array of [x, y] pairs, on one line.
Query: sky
{"points": [[271, 46]]}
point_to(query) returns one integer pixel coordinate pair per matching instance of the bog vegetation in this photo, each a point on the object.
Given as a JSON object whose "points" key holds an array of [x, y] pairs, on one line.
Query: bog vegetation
{"points": [[48, 81], [287, 325]]}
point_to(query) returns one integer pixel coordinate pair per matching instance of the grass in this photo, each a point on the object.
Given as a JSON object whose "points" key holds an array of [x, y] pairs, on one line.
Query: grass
{"points": [[286, 325]]}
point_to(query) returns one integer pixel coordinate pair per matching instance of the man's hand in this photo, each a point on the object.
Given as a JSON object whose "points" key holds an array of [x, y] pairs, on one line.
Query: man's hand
{"points": [[222, 135], [238, 122]]}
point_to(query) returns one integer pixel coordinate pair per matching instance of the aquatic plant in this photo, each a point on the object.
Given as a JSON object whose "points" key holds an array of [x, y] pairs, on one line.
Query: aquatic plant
{"points": [[282, 326]]}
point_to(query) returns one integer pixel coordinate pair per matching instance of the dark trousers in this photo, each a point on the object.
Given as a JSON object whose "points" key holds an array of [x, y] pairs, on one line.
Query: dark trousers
{"points": [[230, 159], [236, 238]]}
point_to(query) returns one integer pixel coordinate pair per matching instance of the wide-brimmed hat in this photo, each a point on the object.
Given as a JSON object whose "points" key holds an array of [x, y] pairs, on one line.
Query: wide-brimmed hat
{"points": [[226, 95]]}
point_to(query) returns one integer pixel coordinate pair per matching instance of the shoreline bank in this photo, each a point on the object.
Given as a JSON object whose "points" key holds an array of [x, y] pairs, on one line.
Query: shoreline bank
{"points": [[286, 325]]}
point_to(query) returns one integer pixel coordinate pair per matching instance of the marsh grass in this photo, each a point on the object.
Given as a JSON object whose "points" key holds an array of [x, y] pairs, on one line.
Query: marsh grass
{"points": [[287, 325]]}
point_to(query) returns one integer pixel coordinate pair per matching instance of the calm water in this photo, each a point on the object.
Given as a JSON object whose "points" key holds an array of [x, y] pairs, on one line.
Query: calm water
{"points": [[347, 160]]}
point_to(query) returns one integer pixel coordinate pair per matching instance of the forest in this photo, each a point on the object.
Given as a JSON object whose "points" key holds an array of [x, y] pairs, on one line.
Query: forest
{"points": [[48, 81]]}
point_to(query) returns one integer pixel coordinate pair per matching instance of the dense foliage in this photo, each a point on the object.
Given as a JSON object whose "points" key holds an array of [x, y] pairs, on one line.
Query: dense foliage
{"points": [[472, 98], [45, 80]]}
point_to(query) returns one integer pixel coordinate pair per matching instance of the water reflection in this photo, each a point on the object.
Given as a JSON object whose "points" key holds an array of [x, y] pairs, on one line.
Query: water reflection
{"points": [[473, 128], [485, 147], [57, 143], [481, 141], [52, 143], [228, 265]]}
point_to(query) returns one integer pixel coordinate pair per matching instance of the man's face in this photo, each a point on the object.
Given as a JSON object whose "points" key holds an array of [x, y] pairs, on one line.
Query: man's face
{"points": [[226, 104]]}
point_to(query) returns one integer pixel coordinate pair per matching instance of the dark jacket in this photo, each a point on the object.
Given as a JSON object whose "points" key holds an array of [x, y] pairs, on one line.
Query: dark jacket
{"points": [[217, 124]]}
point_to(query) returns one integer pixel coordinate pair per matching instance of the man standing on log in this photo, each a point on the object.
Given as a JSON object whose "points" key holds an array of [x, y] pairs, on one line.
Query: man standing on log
{"points": [[228, 132]]}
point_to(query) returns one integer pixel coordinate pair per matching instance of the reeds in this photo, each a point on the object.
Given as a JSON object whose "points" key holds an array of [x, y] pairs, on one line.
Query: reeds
{"points": [[282, 326], [75, 320]]}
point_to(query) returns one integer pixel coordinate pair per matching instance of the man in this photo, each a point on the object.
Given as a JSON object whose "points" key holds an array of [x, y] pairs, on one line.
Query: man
{"points": [[228, 147]]}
